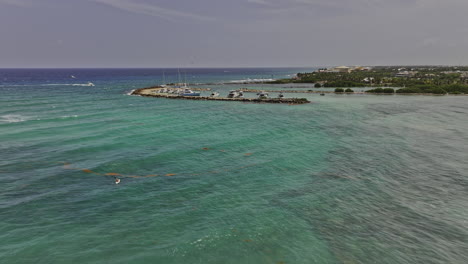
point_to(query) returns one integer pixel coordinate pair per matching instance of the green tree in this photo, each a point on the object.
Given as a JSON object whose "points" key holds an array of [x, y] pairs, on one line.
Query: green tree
{"points": [[438, 90], [376, 90]]}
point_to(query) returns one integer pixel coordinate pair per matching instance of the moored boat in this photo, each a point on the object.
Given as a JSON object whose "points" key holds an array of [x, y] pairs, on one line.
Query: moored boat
{"points": [[232, 94], [262, 95], [187, 92]]}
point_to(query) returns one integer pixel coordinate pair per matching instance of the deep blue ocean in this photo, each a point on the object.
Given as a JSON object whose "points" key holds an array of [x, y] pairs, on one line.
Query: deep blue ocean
{"points": [[345, 179]]}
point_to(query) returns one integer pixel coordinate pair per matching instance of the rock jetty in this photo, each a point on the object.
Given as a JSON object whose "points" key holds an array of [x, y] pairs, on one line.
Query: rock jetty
{"points": [[154, 92]]}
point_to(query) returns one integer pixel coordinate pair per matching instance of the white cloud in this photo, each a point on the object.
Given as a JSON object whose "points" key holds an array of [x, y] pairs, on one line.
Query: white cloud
{"points": [[151, 10]]}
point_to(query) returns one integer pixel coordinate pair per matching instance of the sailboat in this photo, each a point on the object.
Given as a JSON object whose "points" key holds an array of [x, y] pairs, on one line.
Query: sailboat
{"points": [[186, 91]]}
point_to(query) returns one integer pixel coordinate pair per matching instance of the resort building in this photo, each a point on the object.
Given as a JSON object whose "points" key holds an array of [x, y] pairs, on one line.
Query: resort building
{"points": [[342, 69], [406, 74]]}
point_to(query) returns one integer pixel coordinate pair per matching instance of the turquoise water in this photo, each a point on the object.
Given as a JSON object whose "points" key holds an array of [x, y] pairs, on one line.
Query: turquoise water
{"points": [[345, 179]]}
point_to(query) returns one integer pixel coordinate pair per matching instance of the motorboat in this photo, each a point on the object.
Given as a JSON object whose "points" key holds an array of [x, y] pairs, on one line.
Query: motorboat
{"points": [[280, 95], [262, 95], [187, 92], [214, 94], [233, 94]]}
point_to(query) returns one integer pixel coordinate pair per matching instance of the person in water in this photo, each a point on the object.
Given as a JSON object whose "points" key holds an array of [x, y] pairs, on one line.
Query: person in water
{"points": [[117, 180]]}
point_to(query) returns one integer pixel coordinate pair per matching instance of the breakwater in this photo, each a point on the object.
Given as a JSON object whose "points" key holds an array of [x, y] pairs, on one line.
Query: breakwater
{"points": [[154, 92], [193, 89], [245, 90]]}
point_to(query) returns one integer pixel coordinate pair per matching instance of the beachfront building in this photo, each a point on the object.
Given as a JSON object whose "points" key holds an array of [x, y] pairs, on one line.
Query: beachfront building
{"points": [[342, 69], [464, 77], [406, 74]]}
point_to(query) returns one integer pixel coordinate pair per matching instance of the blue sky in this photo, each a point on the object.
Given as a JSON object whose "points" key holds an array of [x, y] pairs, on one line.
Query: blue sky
{"points": [[227, 33]]}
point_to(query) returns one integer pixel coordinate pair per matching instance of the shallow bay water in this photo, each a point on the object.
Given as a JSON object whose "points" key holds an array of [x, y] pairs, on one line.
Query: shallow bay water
{"points": [[345, 179]]}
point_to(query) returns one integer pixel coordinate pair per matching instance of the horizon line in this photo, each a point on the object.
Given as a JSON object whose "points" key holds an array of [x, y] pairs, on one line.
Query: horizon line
{"points": [[228, 67]]}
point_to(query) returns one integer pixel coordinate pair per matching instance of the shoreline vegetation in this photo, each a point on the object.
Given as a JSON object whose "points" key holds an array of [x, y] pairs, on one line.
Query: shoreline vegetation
{"points": [[426, 80]]}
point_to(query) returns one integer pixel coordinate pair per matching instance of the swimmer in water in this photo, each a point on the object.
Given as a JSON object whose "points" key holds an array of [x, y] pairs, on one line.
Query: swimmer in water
{"points": [[117, 180]]}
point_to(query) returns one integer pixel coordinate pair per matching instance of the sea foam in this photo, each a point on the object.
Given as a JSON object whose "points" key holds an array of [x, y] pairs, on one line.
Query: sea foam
{"points": [[12, 118], [248, 80]]}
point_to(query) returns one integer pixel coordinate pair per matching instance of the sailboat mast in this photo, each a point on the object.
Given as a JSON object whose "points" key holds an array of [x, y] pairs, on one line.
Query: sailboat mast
{"points": [[178, 72]]}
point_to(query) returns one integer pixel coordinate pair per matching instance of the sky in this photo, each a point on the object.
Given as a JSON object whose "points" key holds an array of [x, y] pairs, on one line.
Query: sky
{"points": [[231, 33]]}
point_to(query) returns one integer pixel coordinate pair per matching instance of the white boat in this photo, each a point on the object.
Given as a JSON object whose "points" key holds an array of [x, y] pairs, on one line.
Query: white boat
{"points": [[89, 84], [187, 92], [262, 95], [232, 94], [174, 91], [214, 94], [240, 94], [280, 95]]}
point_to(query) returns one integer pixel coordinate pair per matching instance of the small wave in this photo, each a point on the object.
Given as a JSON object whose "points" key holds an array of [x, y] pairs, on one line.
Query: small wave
{"points": [[68, 84], [208, 83], [13, 85], [12, 118], [69, 116], [130, 93], [248, 80], [48, 84]]}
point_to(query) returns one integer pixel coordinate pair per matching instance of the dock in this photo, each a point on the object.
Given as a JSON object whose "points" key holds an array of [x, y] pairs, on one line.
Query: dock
{"points": [[153, 92]]}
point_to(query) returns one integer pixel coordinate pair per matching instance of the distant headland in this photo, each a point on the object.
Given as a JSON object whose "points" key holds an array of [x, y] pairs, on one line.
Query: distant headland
{"points": [[438, 80]]}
